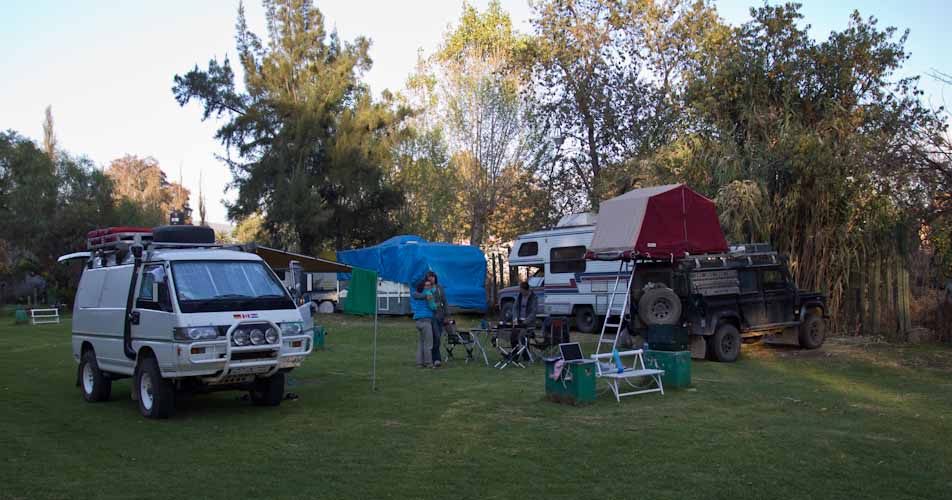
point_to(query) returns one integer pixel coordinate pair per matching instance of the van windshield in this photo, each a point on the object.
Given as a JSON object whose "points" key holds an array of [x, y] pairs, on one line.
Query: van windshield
{"points": [[210, 286]]}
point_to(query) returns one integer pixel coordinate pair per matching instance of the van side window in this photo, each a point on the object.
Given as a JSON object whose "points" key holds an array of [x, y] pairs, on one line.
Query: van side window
{"points": [[152, 295], [748, 281], [567, 259], [528, 249], [773, 279]]}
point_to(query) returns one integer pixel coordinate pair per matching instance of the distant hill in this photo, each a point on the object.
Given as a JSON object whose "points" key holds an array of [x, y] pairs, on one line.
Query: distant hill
{"points": [[221, 227]]}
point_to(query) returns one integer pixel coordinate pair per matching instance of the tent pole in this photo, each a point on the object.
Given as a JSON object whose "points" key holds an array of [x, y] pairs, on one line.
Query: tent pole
{"points": [[373, 370]]}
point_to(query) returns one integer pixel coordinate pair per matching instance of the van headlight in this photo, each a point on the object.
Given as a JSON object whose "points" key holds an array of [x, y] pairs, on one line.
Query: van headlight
{"points": [[291, 328], [257, 336], [193, 333], [271, 335]]}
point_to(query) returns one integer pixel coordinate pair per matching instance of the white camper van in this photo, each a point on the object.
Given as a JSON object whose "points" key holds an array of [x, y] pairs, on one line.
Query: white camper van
{"points": [[176, 312], [566, 283]]}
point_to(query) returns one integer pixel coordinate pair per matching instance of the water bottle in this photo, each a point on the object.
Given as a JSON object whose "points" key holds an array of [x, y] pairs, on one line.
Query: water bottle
{"points": [[620, 367]]}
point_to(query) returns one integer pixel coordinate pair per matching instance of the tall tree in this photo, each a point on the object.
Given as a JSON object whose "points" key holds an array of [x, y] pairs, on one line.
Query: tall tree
{"points": [[142, 187], [49, 135], [307, 145], [483, 109]]}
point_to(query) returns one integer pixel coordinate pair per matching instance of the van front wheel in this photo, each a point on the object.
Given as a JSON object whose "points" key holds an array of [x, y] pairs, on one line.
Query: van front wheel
{"points": [[156, 394], [268, 391], [95, 385]]}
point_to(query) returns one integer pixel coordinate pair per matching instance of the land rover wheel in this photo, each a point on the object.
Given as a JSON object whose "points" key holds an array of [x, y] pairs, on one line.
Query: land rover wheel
{"points": [[156, 394], [585, 319], [95, 385], [659, 306], [812, 332], [505, 311], [726, 345], [268, 391]]}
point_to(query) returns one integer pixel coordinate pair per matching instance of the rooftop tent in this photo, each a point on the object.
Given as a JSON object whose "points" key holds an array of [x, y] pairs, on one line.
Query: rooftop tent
{"points": [[660, 221], [405, 259]]}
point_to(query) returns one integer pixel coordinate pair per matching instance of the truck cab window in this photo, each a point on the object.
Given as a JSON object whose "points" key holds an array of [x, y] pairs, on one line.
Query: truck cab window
{"points": [[153, 293], [773, 279], [567, 259]]}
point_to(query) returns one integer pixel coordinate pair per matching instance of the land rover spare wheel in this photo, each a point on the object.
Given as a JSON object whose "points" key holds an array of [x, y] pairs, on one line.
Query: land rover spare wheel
{"points": [[659, 306], [585, 319], [95, 385]]}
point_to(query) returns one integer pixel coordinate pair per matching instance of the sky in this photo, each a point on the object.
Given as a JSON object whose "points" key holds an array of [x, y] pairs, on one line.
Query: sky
{"points": [[106, 67]]}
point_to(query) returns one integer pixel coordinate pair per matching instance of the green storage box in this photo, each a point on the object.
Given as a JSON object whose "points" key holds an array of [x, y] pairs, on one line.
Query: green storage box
{"points": [[676, 366], [579, 390], [319, 337], [667, 338]]}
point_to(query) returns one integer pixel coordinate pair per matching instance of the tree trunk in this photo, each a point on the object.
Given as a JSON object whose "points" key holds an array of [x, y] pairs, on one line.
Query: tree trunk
{"points": [[874, 305]]}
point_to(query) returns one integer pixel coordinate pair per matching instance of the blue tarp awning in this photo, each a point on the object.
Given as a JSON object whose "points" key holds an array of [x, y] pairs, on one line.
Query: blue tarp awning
{"points": [[461, 269]]}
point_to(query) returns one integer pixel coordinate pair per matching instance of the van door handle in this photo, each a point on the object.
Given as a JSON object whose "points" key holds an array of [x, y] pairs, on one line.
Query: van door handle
{"points": [[134, 317]]}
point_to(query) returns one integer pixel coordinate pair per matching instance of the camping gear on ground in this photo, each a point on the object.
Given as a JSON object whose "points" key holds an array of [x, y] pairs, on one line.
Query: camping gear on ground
{"points": [[637, 370], [44, 316], [675, 364], [319, 334], [461, 269], [20, 316], [570, 378], [667, 337], [514, 347], [468, 339]]}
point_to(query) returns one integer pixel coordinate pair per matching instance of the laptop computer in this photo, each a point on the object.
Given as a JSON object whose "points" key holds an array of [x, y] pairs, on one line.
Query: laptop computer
{"points": [[571, 352]]}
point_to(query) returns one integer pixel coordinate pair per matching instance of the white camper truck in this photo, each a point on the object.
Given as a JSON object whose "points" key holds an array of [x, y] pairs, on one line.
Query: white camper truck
{"points": [[566, 283], [175, 312]]}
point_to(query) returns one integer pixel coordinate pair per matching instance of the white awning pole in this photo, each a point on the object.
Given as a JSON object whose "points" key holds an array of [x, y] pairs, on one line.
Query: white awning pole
{"points": [[373, 370]]}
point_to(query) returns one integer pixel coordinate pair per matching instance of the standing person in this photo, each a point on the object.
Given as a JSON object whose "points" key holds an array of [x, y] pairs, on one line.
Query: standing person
{"points": [[440, 315], [523, 312], [423, 317]]}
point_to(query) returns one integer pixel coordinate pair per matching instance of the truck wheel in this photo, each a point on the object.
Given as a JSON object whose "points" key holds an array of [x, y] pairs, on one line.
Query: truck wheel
{"points": [[659, 306], [95, 385], [812, 332], [268, 391], [505, 312], [726, 345], [156, 394], [585, 319]]}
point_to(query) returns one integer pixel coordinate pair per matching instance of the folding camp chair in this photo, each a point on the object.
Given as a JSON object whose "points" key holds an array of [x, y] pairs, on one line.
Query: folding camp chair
{"points": [[513, 350], [469, 340]]}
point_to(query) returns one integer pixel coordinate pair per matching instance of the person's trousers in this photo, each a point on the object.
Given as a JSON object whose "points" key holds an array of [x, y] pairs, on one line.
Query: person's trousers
{"points": [[437, 333], [424, 353]]}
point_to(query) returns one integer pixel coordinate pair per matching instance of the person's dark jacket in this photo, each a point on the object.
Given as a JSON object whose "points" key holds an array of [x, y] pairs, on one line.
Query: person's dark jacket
{"points": [[439, 295], [531, 306]]}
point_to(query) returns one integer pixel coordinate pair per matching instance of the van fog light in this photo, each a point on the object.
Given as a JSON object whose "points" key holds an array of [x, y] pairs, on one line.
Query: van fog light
{"points": [[241, 337], [271, 335], [257, 337]]}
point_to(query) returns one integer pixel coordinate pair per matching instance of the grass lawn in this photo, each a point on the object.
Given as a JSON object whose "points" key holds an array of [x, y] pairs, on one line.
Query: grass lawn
{"points": [[847, 421]]}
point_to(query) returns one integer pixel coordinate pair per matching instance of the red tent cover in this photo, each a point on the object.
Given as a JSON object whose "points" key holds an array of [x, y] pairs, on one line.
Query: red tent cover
{"points": [[658, 222]]}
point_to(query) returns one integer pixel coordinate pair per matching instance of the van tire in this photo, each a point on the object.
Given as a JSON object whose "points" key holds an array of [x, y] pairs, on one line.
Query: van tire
{"points": [[156, 396], [268, 391], [94, 384], [812, 332], [585, 319], [726, 345], [659, 306]]}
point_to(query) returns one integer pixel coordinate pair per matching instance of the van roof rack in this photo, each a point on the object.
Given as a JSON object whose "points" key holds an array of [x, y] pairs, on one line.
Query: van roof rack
{"points": [[111, 238]]}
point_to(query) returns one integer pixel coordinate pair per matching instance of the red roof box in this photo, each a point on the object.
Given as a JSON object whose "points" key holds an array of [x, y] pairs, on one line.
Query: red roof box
{"points": [[657, 222]]}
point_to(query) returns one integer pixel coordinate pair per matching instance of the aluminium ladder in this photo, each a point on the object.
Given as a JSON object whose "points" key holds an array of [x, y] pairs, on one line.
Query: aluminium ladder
{"points": [[625, 268]]}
